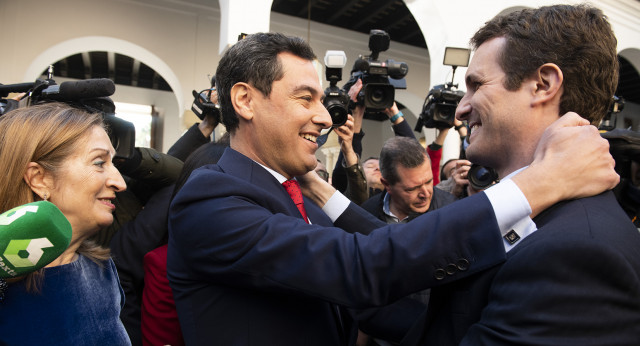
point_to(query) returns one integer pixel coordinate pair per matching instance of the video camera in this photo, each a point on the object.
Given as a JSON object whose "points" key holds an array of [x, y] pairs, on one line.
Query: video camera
{"points": [[609, 120], [439, 108], [379, 78], [336, 100], [624, 146], [91, 95], [202, 105]]}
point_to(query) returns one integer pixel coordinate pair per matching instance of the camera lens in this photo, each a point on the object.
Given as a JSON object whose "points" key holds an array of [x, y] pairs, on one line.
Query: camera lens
{"points": [[481, 177], [336, 102], [377, 95], [338, 113]]}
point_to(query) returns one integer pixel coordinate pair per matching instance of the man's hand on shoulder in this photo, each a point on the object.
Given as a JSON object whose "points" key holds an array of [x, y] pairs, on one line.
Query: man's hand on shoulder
{"points": [[571, 161], [315, 188]]}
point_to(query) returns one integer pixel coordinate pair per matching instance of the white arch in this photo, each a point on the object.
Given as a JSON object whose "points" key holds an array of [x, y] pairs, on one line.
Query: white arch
{"points": [[632, 55], [103, 43]]}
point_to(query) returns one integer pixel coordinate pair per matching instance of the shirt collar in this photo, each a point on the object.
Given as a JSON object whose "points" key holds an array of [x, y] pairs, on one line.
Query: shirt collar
{"points": [[387, 210], [281, 179]]}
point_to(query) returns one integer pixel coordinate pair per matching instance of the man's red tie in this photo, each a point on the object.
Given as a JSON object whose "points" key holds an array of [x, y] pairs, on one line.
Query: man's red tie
{"points": [[293, 189]]}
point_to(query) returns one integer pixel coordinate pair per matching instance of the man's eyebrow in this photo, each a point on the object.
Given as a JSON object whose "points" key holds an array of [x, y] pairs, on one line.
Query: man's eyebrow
{"points": [[419, 185], [470, 78], [473, 78], [308, 88]]}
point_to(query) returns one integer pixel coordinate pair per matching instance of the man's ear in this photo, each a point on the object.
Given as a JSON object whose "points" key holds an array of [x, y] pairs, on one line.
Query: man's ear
{"points": [[241, 94], [385, 183], [38, 179], [548, 87]]}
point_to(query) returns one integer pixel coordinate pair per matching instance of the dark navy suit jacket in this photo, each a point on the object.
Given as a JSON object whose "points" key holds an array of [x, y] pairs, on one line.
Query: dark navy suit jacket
{"points": [[575, 281], [245, 269]]}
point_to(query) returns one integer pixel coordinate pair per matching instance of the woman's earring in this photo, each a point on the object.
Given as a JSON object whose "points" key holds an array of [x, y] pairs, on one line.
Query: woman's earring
{"points": [[46, 196]]}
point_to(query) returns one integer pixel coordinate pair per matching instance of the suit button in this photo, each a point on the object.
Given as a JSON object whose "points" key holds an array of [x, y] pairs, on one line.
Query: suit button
{"points": [[440, 274], [462, 264], [451, 269]]}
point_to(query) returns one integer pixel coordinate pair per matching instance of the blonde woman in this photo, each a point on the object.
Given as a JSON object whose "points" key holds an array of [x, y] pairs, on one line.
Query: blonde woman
{"points": [[62, 154]]}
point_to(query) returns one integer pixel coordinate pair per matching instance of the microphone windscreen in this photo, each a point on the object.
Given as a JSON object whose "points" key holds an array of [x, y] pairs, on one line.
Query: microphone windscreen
{"points": [[31, 236], [83, 89]]}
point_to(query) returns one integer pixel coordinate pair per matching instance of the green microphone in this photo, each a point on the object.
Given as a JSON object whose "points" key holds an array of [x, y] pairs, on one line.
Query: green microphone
{"points": [[31, 236]]}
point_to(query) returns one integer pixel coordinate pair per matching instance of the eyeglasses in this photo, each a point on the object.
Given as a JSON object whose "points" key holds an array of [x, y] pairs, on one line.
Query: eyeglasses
{"points": [[323, 174]]}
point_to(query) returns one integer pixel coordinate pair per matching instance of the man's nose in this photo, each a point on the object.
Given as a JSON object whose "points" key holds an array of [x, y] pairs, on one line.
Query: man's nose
{"points": [[322, 117], [463, 109]]}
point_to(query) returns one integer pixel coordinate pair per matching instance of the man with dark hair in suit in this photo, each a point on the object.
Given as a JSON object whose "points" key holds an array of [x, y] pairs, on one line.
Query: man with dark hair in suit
{"points": [[408, 181], [251, 262], [575, 279]]}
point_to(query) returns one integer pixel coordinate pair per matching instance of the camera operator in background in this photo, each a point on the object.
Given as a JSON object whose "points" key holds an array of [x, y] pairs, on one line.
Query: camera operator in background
{"points": [[321, 169], [336, 101], [435, 148], [206, 108], [356, 189], [370, 89], [370, 166], [458, 184], [462, 178]]}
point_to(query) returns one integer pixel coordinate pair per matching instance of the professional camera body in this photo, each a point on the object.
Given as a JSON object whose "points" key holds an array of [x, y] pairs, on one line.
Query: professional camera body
{"points": [[624, 146], [91, 95], [379, 78], [610, 119], [481, 177], [439, 108], [202, 105], [336, 100]]}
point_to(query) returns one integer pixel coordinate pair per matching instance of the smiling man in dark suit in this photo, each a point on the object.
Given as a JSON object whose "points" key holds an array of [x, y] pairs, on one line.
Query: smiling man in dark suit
{"points": [[575, 279], [250, 265]]}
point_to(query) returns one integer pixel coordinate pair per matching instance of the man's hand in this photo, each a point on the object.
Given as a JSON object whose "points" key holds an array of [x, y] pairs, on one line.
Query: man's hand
{"points": [[358, 111], [345, 137], [354, 90], [209, 124], [315, 188], [460, 176], [571, 161]]}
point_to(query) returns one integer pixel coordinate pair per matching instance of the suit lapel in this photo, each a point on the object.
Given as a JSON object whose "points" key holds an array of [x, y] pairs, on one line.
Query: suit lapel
{"points": [[242, 167]]}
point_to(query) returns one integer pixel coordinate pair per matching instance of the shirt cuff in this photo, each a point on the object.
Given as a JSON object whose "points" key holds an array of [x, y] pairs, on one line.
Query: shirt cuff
{"points": [[336, 205], [509, 204]]}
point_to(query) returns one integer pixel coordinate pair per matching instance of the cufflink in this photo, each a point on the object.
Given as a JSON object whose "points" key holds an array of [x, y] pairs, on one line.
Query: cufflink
{"points": [[511, 237]]}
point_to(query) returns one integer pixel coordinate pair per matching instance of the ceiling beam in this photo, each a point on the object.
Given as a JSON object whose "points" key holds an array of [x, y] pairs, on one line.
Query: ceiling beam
{"points": [[346, 6], [304, 10], [381, 7], [135, 71], [111, 65], [86, 61]]}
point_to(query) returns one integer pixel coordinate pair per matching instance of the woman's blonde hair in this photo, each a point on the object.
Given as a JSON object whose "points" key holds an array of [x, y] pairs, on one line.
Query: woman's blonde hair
{"points": [[47, 134]]}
